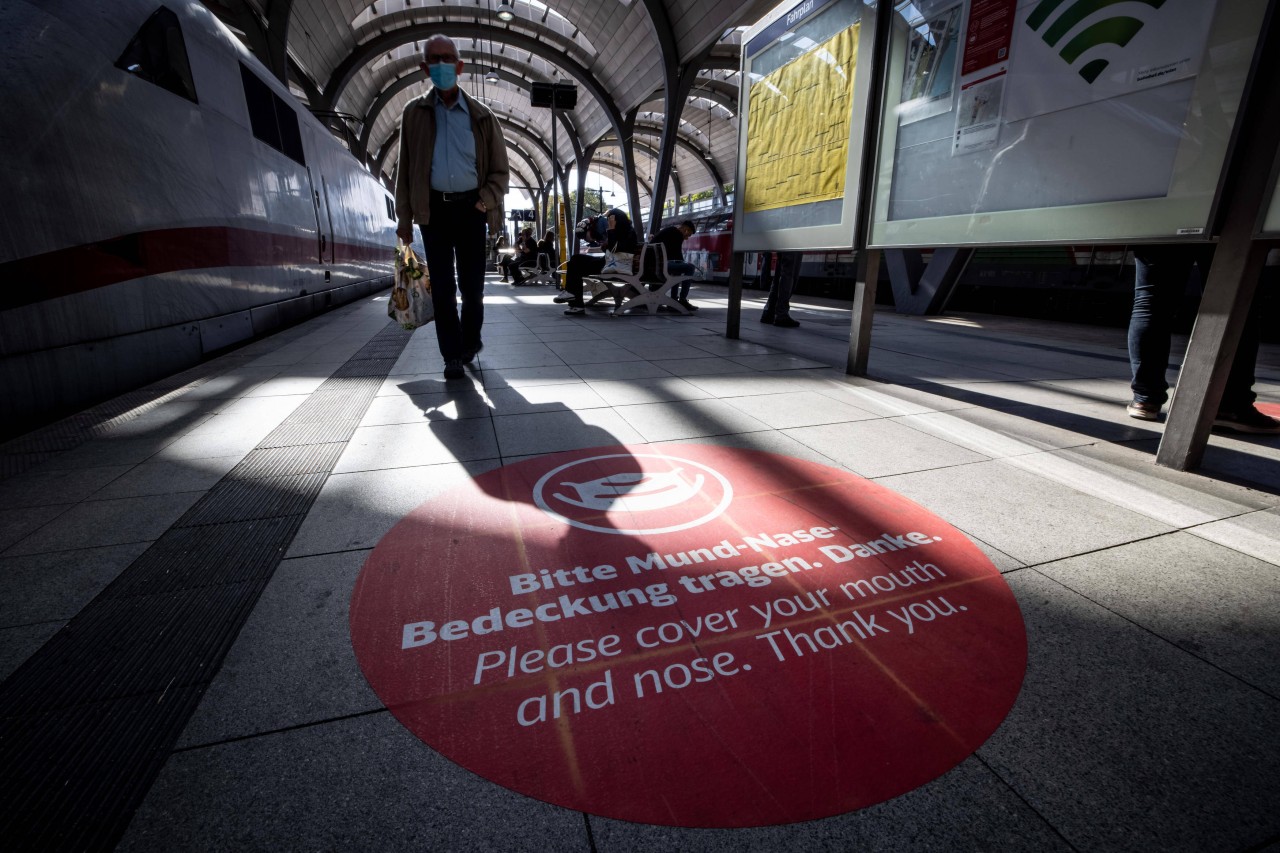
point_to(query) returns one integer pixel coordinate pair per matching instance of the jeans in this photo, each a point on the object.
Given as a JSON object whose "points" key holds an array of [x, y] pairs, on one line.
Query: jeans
{"points": [[784, 281], [1159, 281], [455, 236], [681, 291]]}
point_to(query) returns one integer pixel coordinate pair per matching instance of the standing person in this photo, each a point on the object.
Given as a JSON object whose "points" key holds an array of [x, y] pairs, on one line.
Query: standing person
{"points": [[672, 239], [1160, 278], [777, 308], [619, 238], [452, 180]]}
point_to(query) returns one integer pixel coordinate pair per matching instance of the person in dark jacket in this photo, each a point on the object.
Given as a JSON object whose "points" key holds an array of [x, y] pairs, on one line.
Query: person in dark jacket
{"points": [[672, 239], [620, 245], [452, 180]]}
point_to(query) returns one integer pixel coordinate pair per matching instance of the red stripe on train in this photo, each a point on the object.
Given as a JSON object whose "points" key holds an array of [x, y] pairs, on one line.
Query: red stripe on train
{"points": [[77, 269]]}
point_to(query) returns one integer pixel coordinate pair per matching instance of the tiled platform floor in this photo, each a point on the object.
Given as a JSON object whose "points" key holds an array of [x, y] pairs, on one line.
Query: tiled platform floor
{"points": [[1150, 714]]}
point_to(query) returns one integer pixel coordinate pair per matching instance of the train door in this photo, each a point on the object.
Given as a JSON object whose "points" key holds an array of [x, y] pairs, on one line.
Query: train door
{"points": [[320, 207], [328, 212]]}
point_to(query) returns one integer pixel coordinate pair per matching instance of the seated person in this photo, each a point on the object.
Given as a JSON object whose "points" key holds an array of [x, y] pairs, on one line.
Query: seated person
{"points": [[672, 239], [526, 254], [547, 246], [619, 237]]}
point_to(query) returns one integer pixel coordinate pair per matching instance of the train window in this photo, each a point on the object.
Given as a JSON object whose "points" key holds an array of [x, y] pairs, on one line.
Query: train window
{"points": [[158, 54], [271, 118], [391, 209]]}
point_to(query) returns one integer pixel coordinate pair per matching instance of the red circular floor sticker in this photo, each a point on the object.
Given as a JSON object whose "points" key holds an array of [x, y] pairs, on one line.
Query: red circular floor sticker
{"points": [[689, 635]]}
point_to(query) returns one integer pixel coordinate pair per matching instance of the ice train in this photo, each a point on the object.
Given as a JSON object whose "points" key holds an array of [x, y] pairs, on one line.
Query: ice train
{"points": [[166, 197]]}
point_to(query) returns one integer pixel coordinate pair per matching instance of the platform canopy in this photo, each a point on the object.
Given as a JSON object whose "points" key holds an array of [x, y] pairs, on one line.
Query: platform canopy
{"points": [[657, 80]]}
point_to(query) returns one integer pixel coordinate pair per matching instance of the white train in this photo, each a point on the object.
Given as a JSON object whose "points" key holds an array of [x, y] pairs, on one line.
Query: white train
{"points": [[166, 197]]}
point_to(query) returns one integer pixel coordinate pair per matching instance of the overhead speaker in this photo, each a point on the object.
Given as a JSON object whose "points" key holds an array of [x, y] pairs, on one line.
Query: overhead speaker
{"points": [[563, 95], [540, 95]]}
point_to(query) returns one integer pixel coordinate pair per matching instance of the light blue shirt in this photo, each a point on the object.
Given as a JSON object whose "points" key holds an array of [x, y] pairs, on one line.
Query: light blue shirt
{"points": [[453, 160]]}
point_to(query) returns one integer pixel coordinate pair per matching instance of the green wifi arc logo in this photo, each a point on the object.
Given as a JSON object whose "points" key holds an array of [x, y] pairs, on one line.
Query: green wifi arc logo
{"points": [[1117, 30]]}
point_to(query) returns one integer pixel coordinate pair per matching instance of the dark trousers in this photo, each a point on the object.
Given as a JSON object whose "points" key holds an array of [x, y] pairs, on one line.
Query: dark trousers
{"points": [[1159, 283], [680, 268], [511, 266], [784, 282], [574, 271], [455, 237]]}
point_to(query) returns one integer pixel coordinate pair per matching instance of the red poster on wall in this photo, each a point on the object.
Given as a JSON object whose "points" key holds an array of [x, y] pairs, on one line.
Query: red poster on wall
{"points": [[988, 35]]}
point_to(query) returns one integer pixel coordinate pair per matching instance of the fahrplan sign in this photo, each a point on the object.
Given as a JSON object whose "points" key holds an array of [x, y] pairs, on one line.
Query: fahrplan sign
{"points": [[689, 635]]}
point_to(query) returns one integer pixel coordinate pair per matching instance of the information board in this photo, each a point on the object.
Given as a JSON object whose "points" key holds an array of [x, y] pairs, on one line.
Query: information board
{"points": [[806, 74], [1053, 121]]}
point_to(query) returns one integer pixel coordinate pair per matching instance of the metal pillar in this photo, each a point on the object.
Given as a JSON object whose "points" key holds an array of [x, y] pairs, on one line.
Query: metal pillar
{"points": [[1237, 263]]}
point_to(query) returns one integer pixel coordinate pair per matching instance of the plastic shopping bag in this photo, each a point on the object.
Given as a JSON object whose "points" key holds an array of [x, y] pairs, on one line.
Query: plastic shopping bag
{"points": [[410, 304]]}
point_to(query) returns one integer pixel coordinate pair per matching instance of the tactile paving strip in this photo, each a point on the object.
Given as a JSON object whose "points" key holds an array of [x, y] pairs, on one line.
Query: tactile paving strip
{"points": [[87, 722]]}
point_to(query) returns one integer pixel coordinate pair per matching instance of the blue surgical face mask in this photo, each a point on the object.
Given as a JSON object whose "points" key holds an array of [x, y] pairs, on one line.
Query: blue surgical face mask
{"points": [[444, 75]]}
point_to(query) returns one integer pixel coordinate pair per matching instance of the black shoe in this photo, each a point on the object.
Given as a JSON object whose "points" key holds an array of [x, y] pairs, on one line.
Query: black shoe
{"points": [[470, 355], [453, 369], [1249, 420], [576, 309], [688, 306], [767, 319], [786, 322], [504, 279]]}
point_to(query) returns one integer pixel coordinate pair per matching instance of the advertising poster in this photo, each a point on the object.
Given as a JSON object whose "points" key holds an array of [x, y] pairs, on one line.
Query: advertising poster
{"points": [[1067, 59], [988, 36]]}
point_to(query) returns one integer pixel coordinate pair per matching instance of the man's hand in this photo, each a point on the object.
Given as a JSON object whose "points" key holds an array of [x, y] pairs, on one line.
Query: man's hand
{"points": [[405, 233], [482, 207]]}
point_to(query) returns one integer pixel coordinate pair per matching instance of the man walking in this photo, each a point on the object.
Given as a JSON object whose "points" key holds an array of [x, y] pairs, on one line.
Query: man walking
{"points": [[452, 179]]}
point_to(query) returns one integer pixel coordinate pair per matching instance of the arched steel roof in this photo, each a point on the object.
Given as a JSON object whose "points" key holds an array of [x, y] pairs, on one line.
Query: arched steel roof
{"points": [[657, 74]]}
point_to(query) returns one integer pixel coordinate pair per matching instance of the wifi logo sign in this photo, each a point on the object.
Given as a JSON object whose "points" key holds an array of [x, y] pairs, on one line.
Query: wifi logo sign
{"points": [[1118, 30]]}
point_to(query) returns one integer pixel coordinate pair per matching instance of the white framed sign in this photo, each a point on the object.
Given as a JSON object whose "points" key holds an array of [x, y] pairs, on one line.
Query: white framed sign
{"points": [[1070, 122], [806, 70]]}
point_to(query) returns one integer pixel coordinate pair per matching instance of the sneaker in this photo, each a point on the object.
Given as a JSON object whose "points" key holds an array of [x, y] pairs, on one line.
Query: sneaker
{"points": [[470, 355], [575, 309], [1250, 421], [786, 322], [453, 369], [1143, 411], [564, 296]]}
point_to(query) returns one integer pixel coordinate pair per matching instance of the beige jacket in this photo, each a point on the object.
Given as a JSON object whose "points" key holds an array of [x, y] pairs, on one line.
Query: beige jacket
{"points": [[417, 142]]}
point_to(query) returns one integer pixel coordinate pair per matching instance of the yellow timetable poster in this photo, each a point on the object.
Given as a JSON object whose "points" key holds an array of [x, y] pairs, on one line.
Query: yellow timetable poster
{"points": [[798, 127]]}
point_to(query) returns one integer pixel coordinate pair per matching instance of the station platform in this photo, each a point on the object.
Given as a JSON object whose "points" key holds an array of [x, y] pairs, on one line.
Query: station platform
{"points": [[181, 568]]}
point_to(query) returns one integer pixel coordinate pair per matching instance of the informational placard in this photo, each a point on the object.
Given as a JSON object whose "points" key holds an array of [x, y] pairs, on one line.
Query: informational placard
{"points": [[800, 134], [689, 635], [1069, 121]]}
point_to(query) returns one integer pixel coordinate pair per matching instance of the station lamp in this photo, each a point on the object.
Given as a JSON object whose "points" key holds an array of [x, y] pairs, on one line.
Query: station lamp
{"points": [[505, 11]]}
